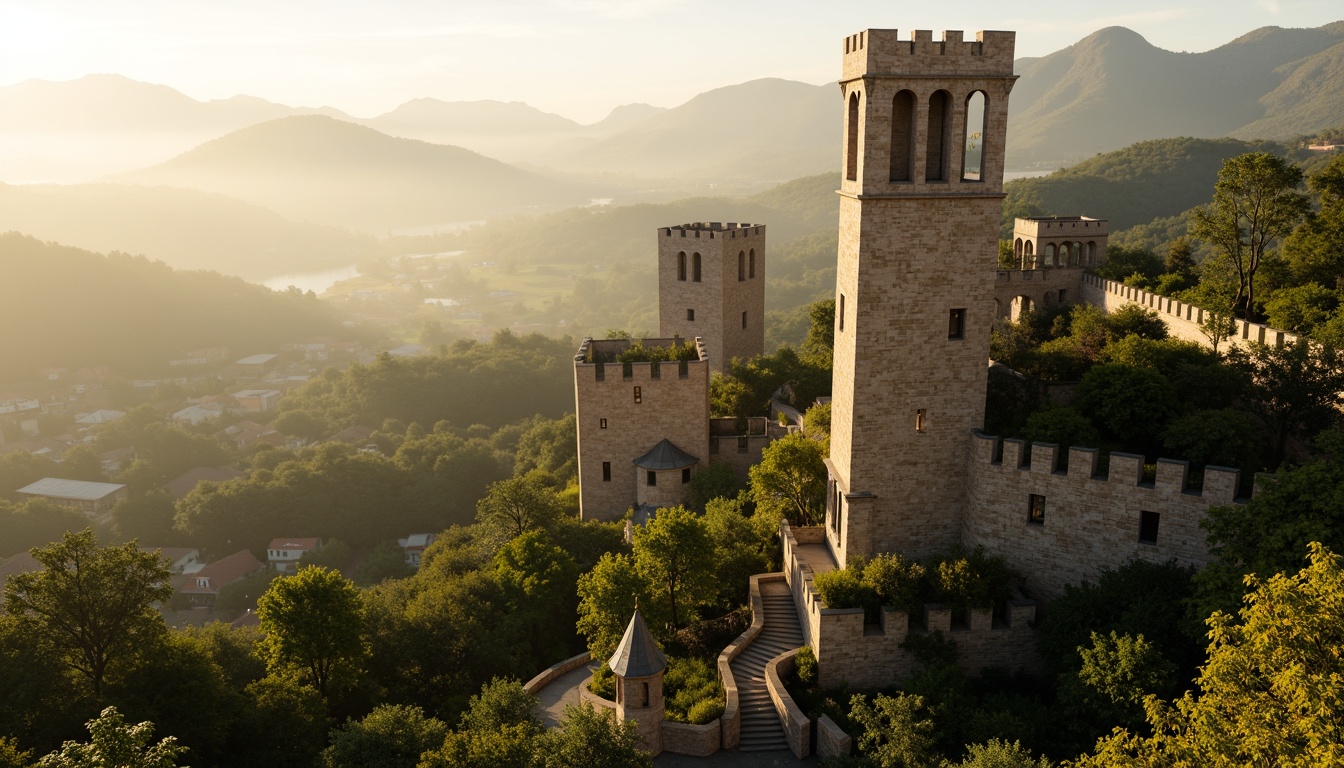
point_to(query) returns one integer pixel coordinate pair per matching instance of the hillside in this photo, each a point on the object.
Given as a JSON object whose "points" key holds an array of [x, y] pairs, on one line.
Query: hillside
{"points": [[62, 306], [334, 172], [183, 228], [1113, 88]]}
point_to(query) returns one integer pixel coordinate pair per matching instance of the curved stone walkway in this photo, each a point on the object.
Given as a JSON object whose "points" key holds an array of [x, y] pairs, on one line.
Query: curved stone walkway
{"points": [[781, 631], [560, 693]]}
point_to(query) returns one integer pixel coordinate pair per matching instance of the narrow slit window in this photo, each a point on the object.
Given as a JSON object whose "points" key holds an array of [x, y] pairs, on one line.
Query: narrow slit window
{"points": [[602, 424], [695, 267], [681, 266], [744, 320], [639, 394], [852, 139], [956, 323], [751, 263], [840, 313], [1148, 526], [650, 478], [919, 419], [741, 266], [1036, 509], [606, 471]]}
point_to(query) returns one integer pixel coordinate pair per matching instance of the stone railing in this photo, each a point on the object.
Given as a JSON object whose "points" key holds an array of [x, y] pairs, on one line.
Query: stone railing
{"points": [[831, 741], [691, 739], [797, 726], [546, 676]]}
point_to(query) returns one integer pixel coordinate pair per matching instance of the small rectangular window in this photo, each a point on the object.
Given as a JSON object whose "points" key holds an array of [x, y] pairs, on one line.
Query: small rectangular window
{"points": [[744, 319], [919, 419], [1061, 295], [690, 314], [840, 313], [606, 471], [1036, 509], [956, 323], [1148, 527], [742, 445], [686, 475], [651, 478], [639, 395], [602, 424]]}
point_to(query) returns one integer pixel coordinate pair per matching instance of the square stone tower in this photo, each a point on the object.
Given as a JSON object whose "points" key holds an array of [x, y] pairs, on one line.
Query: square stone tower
{"points": [[920, 199], [711, 284]]}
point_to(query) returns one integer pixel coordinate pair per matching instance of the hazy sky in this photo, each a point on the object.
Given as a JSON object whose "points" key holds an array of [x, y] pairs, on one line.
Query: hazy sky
{"points": [[578, 58]]}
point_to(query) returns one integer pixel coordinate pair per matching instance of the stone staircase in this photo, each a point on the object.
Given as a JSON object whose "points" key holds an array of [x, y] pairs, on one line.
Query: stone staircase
{"points": [[761, 730]]}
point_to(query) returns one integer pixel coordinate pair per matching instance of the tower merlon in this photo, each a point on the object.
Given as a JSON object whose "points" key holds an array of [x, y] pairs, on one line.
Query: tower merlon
{"points": [[878, 52], [711, 229]]}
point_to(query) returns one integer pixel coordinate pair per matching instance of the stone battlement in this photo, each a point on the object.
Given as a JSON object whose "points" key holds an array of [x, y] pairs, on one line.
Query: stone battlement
{"points": [[1061, 226], [710, 229], [595, 360], [883, 52], [851, 652]]}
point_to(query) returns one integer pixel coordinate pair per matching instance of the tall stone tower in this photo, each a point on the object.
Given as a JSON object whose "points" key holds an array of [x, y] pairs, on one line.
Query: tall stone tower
{"points": [[920, 199], [711, 284]]}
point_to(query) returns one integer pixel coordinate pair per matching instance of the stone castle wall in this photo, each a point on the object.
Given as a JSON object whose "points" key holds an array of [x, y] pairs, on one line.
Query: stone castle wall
{"points": [[1182, 319], [673, 403], [865, 656], [1044, 287], [741, 450], [719, 298], [1091, 517]]}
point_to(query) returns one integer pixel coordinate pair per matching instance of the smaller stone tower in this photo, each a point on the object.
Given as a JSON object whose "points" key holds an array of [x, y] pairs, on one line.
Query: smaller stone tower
{"points": [[1050, 256], [711, 284], [639, 667]]}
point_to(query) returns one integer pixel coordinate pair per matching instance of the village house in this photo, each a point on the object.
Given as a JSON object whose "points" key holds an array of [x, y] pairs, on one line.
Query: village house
{"points": [[284, 554], [91, 498]]}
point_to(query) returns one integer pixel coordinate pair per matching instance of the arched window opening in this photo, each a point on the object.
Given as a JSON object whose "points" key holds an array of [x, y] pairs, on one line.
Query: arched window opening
{"points": [[852, 142], [1050, 255], [741, 266], [695, 267], [903, 136], [1091, 252], [1017, 247], [681, 266], [973, 156], [751, 263], [1028, 255], [940, 122]]}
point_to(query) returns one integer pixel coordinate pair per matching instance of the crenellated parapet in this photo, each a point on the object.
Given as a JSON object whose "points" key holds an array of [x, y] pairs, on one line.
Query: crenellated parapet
{"points": [[852, 652], [1058, 515], [882, 51], [713, 229]]}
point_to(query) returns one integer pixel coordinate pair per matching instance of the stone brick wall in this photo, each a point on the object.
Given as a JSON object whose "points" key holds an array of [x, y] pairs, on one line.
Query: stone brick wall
{"points": [[850, 653], [831, 741], [719, 298], [1041, 286], [740, 451], [1091, 517], [882, 50], [670, 406], [690, 739], [797, 726], [1182, 319], [549, 674]]}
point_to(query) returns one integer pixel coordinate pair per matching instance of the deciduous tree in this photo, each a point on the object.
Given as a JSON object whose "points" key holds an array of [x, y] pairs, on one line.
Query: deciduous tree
{"points": [[674, 554], [312, 624], [792, 470], [114, 742]]}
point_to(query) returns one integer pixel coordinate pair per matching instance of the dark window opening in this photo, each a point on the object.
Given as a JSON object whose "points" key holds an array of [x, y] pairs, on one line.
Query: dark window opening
{"points": [[603, 424], [695, 267], [742, 445], [1148, 527], [606, 471], [919, 419], [751, 263], [840, 312], [644, 702], [690, 314], [935, 159], [1036, 509], [744, 319], [741, 266], [852, 145], [650, 478], [681, 266], [686, 475], [956, 324], [902, 136], [639, 395]]}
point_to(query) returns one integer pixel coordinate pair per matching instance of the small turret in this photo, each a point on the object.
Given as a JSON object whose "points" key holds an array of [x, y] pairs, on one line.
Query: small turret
{"points": [[639, 666]]}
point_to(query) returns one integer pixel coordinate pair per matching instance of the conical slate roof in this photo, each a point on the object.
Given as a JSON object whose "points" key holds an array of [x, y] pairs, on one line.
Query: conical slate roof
{"points": [[665, 455], [638, 654]]}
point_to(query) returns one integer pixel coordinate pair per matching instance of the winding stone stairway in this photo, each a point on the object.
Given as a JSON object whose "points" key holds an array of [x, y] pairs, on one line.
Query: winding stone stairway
{"points": [[761, 730]]}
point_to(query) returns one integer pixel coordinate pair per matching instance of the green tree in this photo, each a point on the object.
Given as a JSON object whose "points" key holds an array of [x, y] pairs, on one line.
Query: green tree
{"points": [[312, 624], [675, 556], [1227, 437], [1119, 672], [538, 580], [1301, 308], [502, 702], [148, 518], [283, 723], [386, 561], [792, 471], [113, 742], [607, 596], [511, 746], [1313, 252], [305, 424], [817, 421], [819, 346], [1255, 203], [515, 506], [718, 480], [588, 738], [1270, 693], [1062, 425], [82, 463], [1001, 754], [1132, 404], [1294, 389], [897, 731], [391, 736], [95, 605], [13, 757]]}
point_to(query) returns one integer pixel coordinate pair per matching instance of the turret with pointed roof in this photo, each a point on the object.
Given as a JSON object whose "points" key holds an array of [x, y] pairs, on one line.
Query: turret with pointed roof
{"points": [[639, 665]]}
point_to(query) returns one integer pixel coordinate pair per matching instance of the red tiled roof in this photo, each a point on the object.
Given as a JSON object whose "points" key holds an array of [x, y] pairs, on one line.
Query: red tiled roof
{"points": [[222, 572]]}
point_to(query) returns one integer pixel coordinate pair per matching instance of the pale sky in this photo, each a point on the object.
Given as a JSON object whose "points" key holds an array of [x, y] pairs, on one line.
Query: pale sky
{"points": [[578, 58]]}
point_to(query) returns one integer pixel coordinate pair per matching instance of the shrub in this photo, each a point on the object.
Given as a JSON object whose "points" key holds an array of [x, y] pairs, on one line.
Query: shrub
{"points": [[844, 588], [691, 688], [706, 711], [603, 683], [805, 665]]}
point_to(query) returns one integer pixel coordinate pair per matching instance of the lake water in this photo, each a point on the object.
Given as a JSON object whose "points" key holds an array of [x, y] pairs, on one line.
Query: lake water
{"points": [[317, 282]]}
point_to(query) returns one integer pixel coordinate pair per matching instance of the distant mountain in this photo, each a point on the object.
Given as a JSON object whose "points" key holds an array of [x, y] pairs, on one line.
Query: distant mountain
{"points": [[183, 228], [1113, 88], [624, 116], [333, 172], [65, 307], [763, 129]]}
